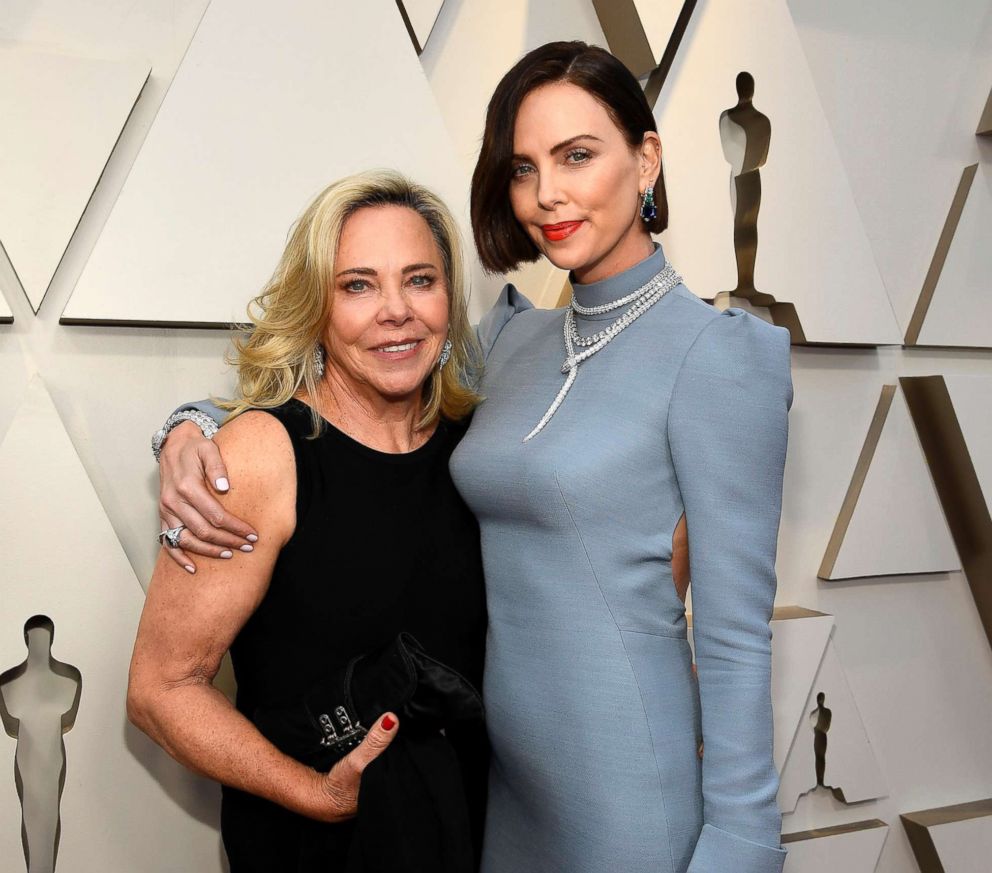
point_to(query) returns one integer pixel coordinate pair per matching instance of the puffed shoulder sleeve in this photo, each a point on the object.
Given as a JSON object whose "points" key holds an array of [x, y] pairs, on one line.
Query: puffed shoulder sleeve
{"points": [[205, 406], [728, 430], [509, 303]]}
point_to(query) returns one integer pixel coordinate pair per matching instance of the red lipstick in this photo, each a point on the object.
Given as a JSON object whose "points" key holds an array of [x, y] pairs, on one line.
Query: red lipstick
{"points": [[560, 231]]}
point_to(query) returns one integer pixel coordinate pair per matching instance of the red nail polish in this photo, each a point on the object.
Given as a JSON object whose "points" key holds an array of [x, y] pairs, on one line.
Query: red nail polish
{"points": [[388, 724]]}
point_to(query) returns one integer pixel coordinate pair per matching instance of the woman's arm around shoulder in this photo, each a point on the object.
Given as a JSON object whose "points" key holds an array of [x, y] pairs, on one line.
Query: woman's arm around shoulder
{"points": [[192, 474], [728, 432]]}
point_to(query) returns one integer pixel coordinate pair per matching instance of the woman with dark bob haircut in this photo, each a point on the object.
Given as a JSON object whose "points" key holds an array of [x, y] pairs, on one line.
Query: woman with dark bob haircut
{"points": [[635, 431]]}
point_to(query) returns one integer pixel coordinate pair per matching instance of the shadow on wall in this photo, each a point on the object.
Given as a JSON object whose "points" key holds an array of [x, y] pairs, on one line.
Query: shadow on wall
{"points": [[39, 703], [746, 135], [39, 700]]}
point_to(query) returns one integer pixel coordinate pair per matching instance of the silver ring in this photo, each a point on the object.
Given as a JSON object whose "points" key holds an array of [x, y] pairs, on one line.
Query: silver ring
{"points": [[170, 537]]}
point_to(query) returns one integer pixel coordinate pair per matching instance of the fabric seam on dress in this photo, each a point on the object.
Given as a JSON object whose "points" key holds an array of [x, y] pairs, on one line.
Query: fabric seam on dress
{"points": [[631, 630], [671, 397], [633, 672]]}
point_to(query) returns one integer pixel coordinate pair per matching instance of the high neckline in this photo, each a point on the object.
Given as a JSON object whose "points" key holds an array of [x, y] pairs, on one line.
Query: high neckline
{"points": [[608, 290]]}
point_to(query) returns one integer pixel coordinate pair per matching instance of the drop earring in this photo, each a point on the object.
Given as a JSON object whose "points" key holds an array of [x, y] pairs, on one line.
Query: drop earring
{"points": [[318, 360], [649, 211], [445, 354]]}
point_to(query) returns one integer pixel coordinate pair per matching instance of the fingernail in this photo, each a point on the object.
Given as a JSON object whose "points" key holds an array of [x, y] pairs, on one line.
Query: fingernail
{"points": [[247, 548], [388, 724], [227, 554], [190, 568], [252, 538], [222, 484]]}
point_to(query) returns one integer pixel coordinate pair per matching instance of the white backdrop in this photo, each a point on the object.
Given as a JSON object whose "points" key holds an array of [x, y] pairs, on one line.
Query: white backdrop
{"points": [[901, 85]]}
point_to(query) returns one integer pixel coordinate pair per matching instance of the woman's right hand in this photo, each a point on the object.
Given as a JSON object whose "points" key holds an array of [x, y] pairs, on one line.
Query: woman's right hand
{"points": [[336, 792], [189, 461]]}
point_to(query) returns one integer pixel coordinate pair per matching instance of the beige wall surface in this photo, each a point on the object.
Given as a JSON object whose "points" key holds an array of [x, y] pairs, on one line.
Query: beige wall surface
{"points": [[899, 90]]}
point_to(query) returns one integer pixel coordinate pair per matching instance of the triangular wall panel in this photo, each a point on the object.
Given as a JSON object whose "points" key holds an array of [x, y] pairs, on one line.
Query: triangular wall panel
{"points": [[55, 139], [816, 258], [6, 316], [985, 123], [891, 521], [952, 419], [851, 769], [251, 130], [960, 308], [419, 17], [799, 638], [972, 399], [126, 805], [853, 848], [639, 31], [950, 839]]}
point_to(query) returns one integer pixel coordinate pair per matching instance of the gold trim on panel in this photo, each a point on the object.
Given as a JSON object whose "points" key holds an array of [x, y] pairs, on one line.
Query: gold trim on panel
{"points": [[409, 27], [957, 484], [835, 831], [627, 40], [625, 34], [781, 613], [985, 125], [917, 825], [657, 77], [178, 325], [946, 814], [940, 255], [857, 483]]}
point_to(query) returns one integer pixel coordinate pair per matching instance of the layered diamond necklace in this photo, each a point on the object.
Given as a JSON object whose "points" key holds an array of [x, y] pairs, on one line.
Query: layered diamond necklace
{"points": [[639, 302]]}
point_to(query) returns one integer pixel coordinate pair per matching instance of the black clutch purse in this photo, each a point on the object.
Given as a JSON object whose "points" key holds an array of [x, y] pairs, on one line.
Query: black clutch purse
{"points": [[334, 715]]}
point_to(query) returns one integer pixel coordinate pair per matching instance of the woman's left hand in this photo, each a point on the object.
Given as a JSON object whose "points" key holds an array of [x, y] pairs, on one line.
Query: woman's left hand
{"points": [[336, 792]]}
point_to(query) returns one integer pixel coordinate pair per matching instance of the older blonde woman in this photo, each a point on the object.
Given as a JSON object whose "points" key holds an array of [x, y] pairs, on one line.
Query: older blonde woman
{"points": [[352, 393]]}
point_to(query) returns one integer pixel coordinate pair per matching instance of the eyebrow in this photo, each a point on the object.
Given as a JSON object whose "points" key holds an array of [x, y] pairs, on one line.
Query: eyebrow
{"points": [[368, 271], [564, 144]]}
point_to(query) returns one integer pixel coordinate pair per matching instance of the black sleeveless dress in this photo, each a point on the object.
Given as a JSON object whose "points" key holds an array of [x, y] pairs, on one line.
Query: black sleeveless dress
{"points": [[383, 543]]}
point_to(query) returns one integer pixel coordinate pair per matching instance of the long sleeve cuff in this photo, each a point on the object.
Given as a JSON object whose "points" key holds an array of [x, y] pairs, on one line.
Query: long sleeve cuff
{"points": [[719, 852]]}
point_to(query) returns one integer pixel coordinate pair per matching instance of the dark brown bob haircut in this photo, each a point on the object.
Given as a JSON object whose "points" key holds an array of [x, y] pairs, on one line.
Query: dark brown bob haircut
{"points": [[501, 241]]}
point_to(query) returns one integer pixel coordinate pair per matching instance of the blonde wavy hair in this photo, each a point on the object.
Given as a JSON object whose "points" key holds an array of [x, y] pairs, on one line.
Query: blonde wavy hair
{"points": [[275, 359]]}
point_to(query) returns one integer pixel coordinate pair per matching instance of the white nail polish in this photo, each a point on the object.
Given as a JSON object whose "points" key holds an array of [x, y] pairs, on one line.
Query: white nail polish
{"points": [[252, 538], [190, 568], [222, 484], [246, 548], [227, 554]]}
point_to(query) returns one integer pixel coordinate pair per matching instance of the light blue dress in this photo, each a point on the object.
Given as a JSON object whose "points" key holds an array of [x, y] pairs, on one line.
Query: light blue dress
{"points": [[593, 712]]}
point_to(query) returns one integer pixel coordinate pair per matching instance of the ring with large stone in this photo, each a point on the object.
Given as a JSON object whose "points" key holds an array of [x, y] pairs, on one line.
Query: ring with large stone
{"points": [[170, 537]]}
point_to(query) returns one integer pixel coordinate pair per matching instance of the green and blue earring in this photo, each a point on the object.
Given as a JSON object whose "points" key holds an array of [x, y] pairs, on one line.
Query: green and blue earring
{"points": [[649, 211]]}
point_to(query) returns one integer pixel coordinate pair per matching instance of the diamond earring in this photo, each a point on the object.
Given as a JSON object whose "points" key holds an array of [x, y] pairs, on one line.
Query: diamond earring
{"points": [[318, 360], [648, 210], [445, 354]]}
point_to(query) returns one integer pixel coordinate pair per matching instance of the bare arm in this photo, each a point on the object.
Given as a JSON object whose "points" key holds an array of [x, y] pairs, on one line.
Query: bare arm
{"points": [[186, 627], [191, 475]]}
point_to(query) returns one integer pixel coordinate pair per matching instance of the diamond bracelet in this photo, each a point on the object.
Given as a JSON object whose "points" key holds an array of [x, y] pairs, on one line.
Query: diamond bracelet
{"points": [[203, 421]]}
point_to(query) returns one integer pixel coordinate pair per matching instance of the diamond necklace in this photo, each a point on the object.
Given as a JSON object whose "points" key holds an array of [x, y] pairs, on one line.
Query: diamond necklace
{"points": [[640, 302]]}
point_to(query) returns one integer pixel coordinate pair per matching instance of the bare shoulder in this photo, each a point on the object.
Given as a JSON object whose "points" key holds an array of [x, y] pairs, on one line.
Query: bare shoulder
{"points": [[261, 465]]}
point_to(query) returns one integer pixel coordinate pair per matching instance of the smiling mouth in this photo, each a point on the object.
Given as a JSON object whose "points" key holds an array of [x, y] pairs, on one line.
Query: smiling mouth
{"points": [[560, 231], [398, 350]]}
